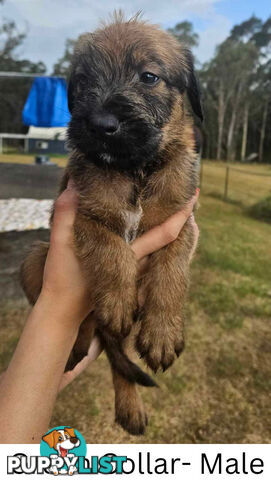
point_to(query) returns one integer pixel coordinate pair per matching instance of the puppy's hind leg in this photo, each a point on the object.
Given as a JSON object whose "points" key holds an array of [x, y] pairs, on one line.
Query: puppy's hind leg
{"points": [[31, 274], [130, 413], [129, 408]]}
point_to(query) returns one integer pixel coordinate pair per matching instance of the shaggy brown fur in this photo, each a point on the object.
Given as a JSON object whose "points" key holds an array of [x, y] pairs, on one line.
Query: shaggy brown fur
{"points": [[133, 163]]}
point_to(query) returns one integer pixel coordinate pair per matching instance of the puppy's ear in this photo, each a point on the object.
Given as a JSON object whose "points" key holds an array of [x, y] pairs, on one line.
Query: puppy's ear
{"points": [[71, 93], [70, 431], [49, 438], [192, 86]]}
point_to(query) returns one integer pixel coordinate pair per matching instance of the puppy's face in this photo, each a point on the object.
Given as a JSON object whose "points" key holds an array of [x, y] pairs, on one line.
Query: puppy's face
{"points": [[126, 81]]}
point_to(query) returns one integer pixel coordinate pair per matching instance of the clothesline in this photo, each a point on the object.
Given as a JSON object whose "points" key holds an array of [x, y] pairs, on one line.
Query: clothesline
{"points": [[28, 75]]}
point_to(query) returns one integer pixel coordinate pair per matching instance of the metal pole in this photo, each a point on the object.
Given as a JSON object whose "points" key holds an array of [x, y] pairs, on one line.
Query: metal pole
{"points": [[28, 75], [226, 183], [26, 145]]}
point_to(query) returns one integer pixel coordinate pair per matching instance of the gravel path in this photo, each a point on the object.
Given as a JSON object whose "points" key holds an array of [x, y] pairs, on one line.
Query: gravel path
{"points": [[21, 214]]}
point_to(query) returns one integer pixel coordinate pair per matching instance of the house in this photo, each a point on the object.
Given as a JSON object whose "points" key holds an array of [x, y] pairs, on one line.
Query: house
{"points": [[41, 140]]}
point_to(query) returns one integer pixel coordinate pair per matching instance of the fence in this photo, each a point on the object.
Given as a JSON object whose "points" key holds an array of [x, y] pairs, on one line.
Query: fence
{"points": [[242, 184], [13, 136]]}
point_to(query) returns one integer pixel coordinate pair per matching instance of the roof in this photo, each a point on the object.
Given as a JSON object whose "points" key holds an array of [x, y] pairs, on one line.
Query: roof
{"points": [[51, 133]]}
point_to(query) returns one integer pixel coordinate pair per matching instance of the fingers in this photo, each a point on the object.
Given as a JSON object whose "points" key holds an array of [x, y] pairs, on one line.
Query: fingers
{"points": [[165, 233], [64, 215], [196, 236]]}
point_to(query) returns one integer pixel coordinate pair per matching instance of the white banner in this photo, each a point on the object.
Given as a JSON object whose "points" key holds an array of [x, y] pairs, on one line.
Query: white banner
{"points": [[187, 462]]}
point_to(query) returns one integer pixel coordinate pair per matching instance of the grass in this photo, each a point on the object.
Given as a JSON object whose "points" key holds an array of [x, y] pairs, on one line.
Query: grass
{"points": [[60, 160], [247, 185], [261, 210], [219, 389]]}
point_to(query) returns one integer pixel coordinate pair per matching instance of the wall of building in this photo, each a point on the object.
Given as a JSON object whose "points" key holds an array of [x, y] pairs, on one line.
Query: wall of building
{"points": [[53, 146]]}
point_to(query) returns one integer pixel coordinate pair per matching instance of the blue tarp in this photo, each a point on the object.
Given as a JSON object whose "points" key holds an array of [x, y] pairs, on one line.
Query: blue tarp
{"points": [[47, 103]]}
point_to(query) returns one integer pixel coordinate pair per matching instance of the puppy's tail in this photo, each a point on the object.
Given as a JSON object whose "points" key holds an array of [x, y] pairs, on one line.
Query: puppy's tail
{"points": [[122, 364]]}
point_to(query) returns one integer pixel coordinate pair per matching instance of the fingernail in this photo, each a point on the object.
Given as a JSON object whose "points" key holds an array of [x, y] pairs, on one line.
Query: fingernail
{"points": [[197, 191]]}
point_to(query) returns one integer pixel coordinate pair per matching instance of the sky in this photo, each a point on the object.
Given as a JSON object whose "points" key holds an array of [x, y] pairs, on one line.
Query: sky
{"points": [[49, 22]]}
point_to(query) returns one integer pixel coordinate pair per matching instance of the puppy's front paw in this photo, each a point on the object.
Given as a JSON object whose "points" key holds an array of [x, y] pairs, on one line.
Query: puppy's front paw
{"points": [[115, 312], [160, 340]]}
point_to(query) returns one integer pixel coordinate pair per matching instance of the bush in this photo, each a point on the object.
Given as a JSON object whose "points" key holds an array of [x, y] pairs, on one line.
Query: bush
{"points": [[261, 210]]}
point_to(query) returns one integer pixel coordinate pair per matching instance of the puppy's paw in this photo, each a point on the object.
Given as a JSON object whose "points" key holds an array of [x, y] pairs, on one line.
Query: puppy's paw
{"points": [[160, 341], [115, 313], [134, 420]]}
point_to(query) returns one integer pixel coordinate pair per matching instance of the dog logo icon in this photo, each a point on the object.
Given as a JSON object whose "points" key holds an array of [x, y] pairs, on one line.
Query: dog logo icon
{"points": [[63, 445]]}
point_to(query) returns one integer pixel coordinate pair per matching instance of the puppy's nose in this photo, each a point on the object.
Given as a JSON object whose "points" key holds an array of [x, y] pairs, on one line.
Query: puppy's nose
{"points": [[74, 440], [105, 123]]}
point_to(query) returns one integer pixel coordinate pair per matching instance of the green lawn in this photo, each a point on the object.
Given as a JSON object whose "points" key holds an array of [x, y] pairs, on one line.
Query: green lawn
{"points": [[247, 183], [29, 159], [219, 389]]}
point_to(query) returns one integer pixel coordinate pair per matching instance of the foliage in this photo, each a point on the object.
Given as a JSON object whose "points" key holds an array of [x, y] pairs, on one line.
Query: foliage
{"points": [[62, 66], [261, 210], [184, 33], [237, 91], [14, 91]]}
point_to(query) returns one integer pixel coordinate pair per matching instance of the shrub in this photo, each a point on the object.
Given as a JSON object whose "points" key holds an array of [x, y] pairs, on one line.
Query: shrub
{"points": [[261, 210]]}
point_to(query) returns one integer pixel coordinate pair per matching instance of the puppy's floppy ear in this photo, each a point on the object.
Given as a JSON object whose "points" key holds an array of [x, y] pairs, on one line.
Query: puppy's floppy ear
{"points": [[71, 92], [49, 438], [192, 86], [70, 431]]}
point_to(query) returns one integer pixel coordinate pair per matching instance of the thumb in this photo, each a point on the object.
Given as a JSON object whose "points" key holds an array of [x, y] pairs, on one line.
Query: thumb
{"points": [[64, 215]]}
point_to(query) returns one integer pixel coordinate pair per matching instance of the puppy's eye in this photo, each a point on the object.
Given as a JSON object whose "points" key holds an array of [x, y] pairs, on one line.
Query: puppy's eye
{"points": [[66, 436], [149, 78], [59, 439], [81, 80]]}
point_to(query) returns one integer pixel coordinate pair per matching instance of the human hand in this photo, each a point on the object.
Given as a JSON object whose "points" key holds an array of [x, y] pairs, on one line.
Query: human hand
{"points": [[63, 280]]}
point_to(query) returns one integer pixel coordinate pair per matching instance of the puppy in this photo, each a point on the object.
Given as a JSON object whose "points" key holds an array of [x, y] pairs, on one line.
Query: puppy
{"points": [[134, 164]]}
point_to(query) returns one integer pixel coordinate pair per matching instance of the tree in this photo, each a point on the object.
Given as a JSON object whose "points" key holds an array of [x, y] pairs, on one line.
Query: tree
{"points": [[14, 91], [184, 33], [224, 80], [236, 88], [62, 66], [263, 94], [254, 32], [244, 71], [246, 30]]}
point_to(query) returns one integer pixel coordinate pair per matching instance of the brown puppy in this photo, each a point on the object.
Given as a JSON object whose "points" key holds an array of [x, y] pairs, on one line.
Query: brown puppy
{"points": [[133, 163]]}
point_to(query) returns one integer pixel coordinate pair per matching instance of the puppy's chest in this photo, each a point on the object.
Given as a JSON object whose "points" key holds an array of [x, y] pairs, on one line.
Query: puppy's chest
{"points": [[131, 220]]}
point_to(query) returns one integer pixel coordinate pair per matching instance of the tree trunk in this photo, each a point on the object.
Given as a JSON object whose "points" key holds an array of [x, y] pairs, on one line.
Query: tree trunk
{"points": [[230, 134], [262, 134], [244, 138], [221, 117], [232, 122]]}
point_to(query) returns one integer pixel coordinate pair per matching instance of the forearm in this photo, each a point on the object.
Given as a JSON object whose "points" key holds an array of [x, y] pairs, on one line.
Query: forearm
{"points": [[29, 387]]}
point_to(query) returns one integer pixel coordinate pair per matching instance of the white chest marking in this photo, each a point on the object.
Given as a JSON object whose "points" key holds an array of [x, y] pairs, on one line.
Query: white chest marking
{"points": [[106, 158], [132, 219]]}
